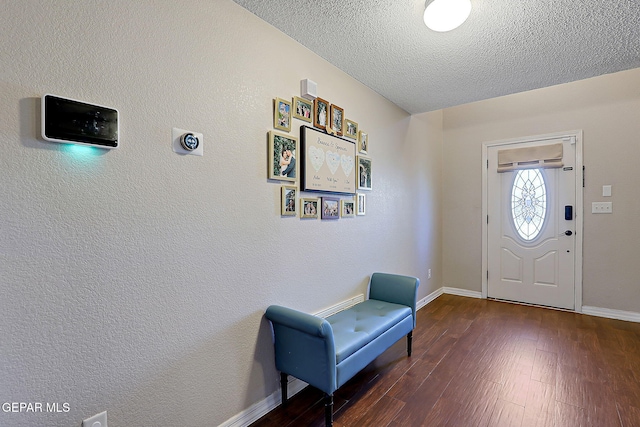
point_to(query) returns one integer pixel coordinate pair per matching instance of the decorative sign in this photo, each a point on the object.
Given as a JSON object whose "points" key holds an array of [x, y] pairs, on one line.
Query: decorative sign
{"points": [[329, 162]]}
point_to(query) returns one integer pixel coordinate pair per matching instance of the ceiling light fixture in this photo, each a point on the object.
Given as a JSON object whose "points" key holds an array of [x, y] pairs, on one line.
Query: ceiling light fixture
{"points": [[446, 15]]}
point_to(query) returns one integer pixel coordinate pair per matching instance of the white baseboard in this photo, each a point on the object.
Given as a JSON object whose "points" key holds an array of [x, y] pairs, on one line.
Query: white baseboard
{"points": [[254, 412], [629, 316], [462, 292], [263, 407], [340, 306], [446, 290], [426, 300]]}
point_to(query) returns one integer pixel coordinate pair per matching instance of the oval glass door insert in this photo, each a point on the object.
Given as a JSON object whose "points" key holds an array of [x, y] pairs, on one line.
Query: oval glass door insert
{"points": [[528, 203]]}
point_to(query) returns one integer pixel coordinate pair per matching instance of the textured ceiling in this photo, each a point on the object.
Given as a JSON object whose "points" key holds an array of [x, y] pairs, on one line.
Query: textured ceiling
{"points": [[506, 46]]}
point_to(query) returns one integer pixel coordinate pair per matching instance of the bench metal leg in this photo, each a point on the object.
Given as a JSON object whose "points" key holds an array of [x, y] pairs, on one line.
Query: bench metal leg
{"points": [[283, 387], [328, 410], [409, 342]]}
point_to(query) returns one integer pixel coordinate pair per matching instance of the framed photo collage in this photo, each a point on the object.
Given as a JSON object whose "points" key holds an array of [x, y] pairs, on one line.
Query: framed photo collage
{"points": [[330, 157]]}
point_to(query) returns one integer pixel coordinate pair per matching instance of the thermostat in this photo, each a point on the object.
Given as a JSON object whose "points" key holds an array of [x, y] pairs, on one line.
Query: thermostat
{"points": [[187, 142]]}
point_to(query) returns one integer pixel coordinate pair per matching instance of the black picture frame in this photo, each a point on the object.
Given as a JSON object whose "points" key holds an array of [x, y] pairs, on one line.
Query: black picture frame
{"points": [[329, 163]]}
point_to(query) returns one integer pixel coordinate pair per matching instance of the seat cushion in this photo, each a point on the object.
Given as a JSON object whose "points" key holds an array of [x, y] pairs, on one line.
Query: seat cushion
{"points": [[355, 327]]}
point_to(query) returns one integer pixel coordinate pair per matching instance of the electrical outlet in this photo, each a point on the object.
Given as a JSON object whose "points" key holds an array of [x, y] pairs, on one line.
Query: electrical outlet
{"points": [[98, 420], [601, 207], [429, 274]]}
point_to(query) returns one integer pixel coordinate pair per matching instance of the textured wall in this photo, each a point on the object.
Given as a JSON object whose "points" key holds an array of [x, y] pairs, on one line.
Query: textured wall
{"points": [[605, 108], [135, 280]]}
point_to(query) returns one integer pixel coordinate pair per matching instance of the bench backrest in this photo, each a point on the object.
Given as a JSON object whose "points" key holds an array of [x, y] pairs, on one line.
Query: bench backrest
{"points": [[396, 289]]}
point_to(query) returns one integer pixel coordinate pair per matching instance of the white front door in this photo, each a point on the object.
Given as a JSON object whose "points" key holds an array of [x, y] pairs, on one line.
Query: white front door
{"points": [[531, 230]]}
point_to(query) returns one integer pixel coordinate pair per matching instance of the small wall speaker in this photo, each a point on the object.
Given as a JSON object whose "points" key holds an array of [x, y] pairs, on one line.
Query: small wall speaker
{"points": [[308, 89]]}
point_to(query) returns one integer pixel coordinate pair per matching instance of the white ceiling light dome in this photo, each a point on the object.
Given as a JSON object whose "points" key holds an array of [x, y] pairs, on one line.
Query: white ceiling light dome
{"points": [[446, 15]]}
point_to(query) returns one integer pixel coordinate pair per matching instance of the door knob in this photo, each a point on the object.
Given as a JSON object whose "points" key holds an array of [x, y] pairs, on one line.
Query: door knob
{"points": [[568, 233]]}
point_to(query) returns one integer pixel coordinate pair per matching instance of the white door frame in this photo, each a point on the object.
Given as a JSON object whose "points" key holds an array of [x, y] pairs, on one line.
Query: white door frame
{"points": [[579, 208]]}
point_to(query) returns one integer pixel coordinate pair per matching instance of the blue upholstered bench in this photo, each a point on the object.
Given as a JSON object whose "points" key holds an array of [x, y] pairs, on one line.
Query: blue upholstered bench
{"points": [[326, 353]]}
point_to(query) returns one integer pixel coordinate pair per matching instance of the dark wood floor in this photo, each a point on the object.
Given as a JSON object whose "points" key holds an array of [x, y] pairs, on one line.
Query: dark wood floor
{"points": [[486, 363]]}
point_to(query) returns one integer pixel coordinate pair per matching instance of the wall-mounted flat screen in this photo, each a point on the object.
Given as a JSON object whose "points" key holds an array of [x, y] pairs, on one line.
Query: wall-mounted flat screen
{"points": [[71, 121]]}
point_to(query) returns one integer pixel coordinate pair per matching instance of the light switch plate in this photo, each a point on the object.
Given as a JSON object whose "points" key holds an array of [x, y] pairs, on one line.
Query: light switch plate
{"points": [[601, 207], [606, 191], [98, 420]]}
